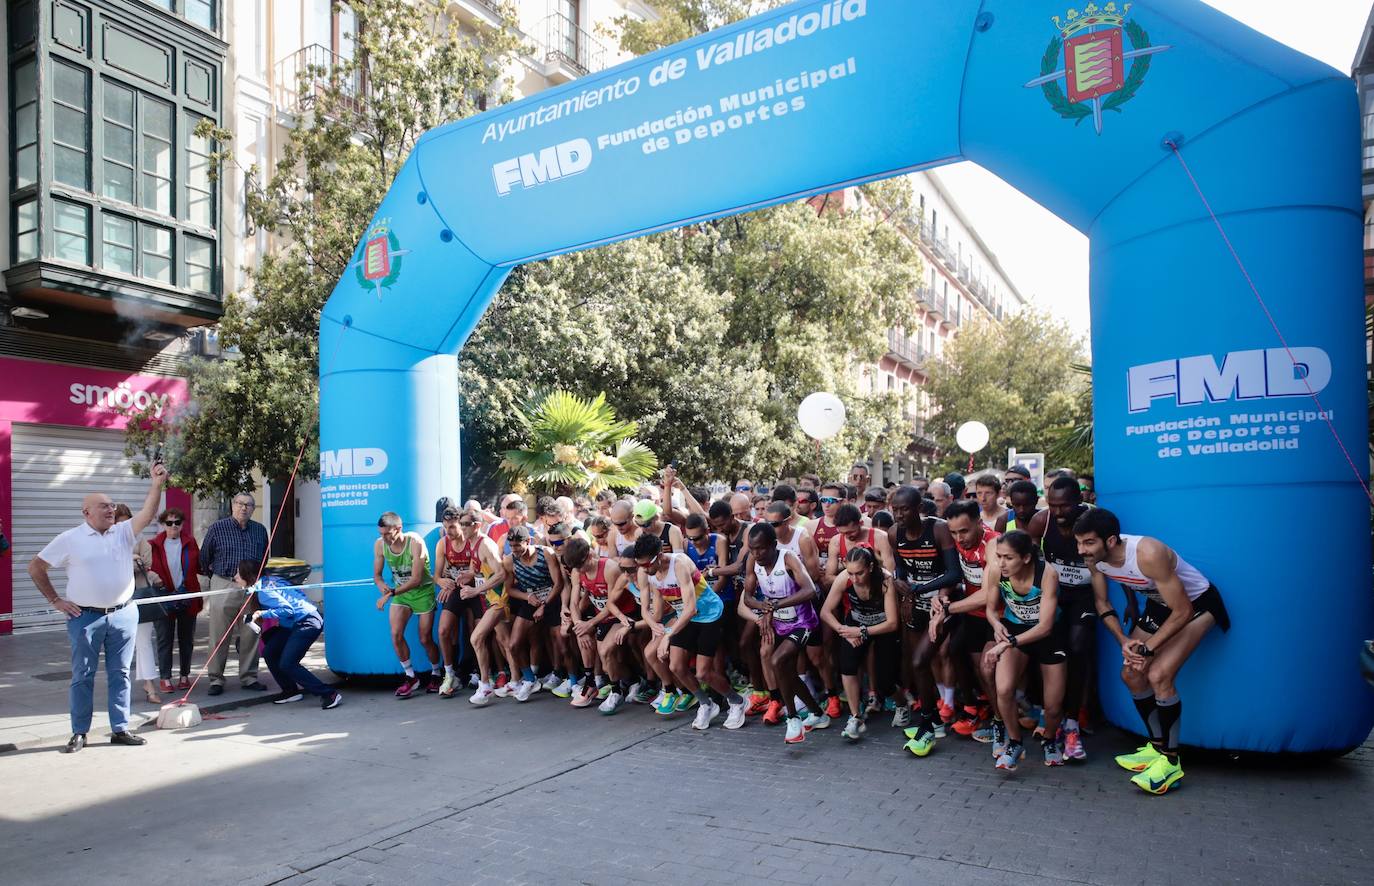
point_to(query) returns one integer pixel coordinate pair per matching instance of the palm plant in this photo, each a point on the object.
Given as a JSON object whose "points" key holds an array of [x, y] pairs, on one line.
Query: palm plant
{"points": [[1073, 445], [577, 445]]}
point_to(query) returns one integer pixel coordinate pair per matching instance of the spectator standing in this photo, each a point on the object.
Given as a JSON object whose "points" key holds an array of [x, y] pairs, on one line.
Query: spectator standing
{"points": [[99, 558], [228, 543], [175, 567]]}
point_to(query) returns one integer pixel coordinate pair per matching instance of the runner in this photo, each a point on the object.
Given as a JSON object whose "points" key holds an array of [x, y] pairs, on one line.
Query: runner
{"points": [[1029, 630], [1181, 606], [791, 538], [411, 594], [875, 500], [741, 635], [599, 536], [452, 560], [926, 564], [694, 628], [859, 476], [514, 512], [808, 506], [1053, 528], [851, 533], [987, 488], [942, 497], [648, 517], [657, 685], [970, 635], [869, 623], [823, 527], [779, 596], [537, 584], [487, 606], [1024, 501], [592, 578], [1088, 485], [625, 530]]}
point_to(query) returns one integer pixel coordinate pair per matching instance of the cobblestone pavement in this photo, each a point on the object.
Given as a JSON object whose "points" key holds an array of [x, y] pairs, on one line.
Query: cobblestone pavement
{"points": [[430, 791]]}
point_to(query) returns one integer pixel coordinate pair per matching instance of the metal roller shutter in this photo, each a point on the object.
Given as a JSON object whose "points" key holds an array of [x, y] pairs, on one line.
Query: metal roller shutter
{"points": [[53, 469]]}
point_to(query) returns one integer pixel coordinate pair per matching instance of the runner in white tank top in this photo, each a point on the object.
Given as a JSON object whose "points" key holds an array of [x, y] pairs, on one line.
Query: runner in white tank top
{"points": [[1129, 574]]}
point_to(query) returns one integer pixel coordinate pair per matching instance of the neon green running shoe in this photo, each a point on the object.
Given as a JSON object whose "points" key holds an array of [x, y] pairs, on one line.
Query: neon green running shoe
{"points": [[666, 704], [604, 691], [685, 702], [1159, 777], [1141, 760], [921, 743]]}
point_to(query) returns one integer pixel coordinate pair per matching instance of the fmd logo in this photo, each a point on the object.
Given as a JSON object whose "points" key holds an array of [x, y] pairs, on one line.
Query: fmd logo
{"points": [[352, 463], [550, 164], [1242, 375]]}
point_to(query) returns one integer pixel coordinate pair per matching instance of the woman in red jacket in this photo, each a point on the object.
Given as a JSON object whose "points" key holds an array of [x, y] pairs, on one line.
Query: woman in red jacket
{"points": [[176, 570]]}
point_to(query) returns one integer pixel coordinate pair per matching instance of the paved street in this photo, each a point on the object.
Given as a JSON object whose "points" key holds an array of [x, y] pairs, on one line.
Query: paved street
{"points": [[432, 791]]}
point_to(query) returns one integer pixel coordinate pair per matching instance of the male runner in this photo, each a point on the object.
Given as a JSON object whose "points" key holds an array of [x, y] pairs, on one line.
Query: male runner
{"points": [[941, 495], [1181, 606], [808, 504], [823, 527], [851, 533], [792, 538], [411, 594], [1053, 529], [593, 624], [987, 488], [1024, 499], [482, 588], [452, 560], [971, 635], [741, 636], [514, 512], [649, 518], [926, 564], [625, 530], [859, 476]]}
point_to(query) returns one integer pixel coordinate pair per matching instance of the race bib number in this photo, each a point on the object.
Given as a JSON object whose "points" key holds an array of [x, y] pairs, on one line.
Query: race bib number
{"points": [[1026, 613], [598, 603], [786, 613], [870, 619], [1078, 576], [973, 575], [541, 595]]}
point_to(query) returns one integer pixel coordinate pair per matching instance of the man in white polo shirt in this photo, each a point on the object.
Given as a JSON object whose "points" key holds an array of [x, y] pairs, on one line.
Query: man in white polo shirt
{"points": [[99, 558]]}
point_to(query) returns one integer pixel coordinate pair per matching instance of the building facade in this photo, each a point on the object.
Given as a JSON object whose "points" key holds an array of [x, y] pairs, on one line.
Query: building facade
{"points": [[964, 283], [111, 251]]}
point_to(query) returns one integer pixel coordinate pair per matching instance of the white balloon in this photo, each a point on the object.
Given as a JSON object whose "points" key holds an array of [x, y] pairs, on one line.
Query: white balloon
{"points": [[821, 415], [972, 436]]}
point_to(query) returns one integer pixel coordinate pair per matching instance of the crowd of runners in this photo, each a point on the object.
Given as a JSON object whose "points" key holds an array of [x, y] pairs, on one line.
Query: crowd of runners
{"points": [[816, 604]]}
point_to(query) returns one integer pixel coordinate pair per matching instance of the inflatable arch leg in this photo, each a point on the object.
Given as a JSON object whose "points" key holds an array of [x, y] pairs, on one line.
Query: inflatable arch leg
{"points": [[1205, 434]]}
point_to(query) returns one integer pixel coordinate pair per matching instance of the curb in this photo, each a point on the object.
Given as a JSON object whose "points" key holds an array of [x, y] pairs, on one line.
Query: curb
{"points": [[140, 721]]}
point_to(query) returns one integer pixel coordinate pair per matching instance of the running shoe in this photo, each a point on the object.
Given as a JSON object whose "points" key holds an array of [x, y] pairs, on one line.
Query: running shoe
{"points": [[832, 707], [1142, 759], [946, 711], [795, 733], [1054, 753], [758, 703], [633, 690], [1159, 777], [474, 680], [524, 689], [612, 703], [502, 678], [854, 729], [482, 696], [550, 681], [705, 714], [583, 696], [645, 695], [535, 685], [1073, 745], [773, 716], [434, 683], [685, 701], [408, 687], [1031, 717], [983, 734], [999, 738], [920, 741], [1011, 758], [901, 718], [564, 689], [734, 719], [603, 691], [873, 706], [939, 726], [816, 721], [965, 726], [449, 686], [502, 690]]}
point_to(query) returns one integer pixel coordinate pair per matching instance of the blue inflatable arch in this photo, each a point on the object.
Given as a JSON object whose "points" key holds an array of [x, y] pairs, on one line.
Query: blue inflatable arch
{"points": [[1205, 433]]}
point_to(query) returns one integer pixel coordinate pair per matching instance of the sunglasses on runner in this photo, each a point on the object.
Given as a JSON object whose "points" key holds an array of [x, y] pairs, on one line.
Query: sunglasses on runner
{"points": [[649, 565], [777, 524], [621, 524], [829, 500], [696, 537], [467, 522], [557, 542]]}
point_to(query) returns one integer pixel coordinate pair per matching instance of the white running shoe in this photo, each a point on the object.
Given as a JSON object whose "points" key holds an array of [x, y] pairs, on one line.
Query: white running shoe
{"points": [[612, 703], [474, 681], [704, 714], [535, 685], [815, 721], [525, 689], [854, 729], [633, 690], [738, 712], [795, 732], [483, 695], [504, 691], [658, 699], [552, 680]]}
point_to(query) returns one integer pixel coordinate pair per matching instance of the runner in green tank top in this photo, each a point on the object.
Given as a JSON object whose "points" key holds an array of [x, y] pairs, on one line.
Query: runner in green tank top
{"points": [[412, 593]]}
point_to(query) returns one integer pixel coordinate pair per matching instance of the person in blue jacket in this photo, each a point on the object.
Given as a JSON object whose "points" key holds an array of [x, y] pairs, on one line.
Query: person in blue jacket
{"points": [[298, 625]]}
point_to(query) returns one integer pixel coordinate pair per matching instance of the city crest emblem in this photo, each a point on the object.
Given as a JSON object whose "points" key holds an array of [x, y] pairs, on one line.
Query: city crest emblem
{"points": [[1094, 59], [380, 264]]}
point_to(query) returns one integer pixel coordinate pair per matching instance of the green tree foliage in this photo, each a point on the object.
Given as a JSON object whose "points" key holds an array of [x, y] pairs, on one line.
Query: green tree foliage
{"points": [[576, 445], [681, 19], [1018, 378], [412, 70]]}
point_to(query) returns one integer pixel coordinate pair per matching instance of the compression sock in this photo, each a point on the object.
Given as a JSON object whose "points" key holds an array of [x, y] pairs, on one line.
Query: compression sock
{"points": [[1145, 703], [527, 674], [410, 672], [1167, 713], [716, 697], [734, 697], [703, 698]]}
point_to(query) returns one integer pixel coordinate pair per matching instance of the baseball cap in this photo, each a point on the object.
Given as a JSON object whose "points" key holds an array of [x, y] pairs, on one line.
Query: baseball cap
{"points": [[1020, 470], [645, 510]]}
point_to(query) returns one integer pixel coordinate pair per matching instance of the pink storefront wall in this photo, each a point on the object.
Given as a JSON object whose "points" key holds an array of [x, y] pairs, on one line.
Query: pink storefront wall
{"points": [[32, 392]]}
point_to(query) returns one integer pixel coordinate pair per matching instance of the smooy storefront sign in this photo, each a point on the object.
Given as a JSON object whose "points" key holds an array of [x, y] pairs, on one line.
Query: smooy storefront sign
{"points": [[51, 393]]}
